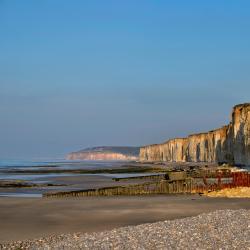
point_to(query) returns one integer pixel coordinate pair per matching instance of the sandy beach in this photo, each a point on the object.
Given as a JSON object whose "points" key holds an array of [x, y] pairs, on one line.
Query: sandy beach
{"points": [[28, 218]]}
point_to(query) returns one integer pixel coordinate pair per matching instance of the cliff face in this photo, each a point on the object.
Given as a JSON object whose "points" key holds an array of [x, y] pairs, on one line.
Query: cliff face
{"points": [[106, 154], [230, 144], [241, 134]]}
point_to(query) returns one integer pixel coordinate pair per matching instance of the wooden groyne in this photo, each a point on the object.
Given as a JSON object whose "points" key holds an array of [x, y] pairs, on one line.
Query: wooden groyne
{"points": [[161, 187], [178, 183], [144, 177]]}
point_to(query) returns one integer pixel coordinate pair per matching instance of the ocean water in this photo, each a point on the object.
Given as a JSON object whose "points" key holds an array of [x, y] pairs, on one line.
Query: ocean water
{"points": [[55, 163], [8, 167]]}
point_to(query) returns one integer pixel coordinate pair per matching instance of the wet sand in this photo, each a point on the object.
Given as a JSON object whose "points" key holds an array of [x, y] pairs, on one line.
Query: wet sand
{"points": [[67, 183], [27, 218]]}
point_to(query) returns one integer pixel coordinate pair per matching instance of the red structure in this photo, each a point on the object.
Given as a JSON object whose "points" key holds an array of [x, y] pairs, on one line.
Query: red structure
{"points": [[224, 180], [241, 179]]}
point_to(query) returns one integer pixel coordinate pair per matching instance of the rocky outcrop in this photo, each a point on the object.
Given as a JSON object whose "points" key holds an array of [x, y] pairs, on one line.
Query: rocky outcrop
{"points": [[229, 144], [106, 154]]}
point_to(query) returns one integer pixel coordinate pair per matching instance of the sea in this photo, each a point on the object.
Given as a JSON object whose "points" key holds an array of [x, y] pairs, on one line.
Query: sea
{"points": [[9, 169]]}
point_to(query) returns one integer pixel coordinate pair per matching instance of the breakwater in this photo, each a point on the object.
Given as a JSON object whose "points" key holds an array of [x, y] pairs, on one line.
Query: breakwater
{"points": [[229, 144]]}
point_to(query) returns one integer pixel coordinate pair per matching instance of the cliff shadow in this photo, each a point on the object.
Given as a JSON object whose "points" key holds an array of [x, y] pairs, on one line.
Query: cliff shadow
{"points": [[241, 149], [223, 151]]}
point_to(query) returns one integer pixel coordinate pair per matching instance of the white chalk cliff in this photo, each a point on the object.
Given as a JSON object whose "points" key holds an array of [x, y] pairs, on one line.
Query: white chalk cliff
{"points": [[229, 144]]}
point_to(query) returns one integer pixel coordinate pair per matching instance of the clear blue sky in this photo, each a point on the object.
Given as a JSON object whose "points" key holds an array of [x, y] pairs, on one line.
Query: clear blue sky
{"points": [[84, 73]]}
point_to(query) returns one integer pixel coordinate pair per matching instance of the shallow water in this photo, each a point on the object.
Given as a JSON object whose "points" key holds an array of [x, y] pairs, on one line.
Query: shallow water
{"points": [[50, 165], [42, 178], [21, 195], [30, 177]]}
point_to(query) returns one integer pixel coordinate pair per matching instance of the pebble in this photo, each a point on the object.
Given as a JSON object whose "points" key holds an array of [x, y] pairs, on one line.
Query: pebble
{"points": [[222, 229]]}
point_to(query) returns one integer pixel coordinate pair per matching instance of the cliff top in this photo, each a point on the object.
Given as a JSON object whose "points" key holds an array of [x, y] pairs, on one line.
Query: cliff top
{"points": [[188, 136], [242, 105]]}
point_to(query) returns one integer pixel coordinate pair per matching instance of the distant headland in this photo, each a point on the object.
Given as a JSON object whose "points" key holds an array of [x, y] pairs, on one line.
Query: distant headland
{"points": [[106, 153]]}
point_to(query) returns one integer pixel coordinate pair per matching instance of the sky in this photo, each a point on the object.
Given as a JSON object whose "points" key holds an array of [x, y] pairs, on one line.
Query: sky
{"points": [[75, 74]]}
